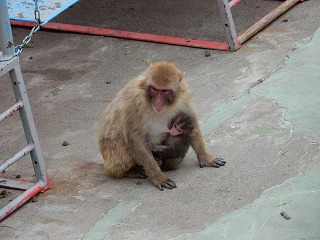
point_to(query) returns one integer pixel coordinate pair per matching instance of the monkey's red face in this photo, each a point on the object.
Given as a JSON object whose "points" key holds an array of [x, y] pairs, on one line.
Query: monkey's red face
{"points": [[160, 97], [175, 130]]}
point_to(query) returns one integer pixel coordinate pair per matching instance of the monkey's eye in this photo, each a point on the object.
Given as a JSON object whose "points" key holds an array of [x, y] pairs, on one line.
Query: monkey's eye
{"points": [[166, 92], [153, 90]]}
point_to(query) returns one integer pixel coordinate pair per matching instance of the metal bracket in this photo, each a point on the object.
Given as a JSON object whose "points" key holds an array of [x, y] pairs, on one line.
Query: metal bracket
{"points": [[22, 105]]}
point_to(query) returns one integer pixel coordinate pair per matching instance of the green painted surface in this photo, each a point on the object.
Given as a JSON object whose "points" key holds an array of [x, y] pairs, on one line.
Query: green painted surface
{"points": [[298, 197], [114, 216], [260, 131], [296, 87], [223, 113]]}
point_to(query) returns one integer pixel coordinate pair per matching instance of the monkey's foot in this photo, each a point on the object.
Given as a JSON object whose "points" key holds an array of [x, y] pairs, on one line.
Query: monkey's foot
{"points": [[217, 162], [169, 184]]}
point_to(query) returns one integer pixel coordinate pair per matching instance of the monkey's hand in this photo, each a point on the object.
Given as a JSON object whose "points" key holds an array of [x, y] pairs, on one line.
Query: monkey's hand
{"points": [[209, 161], [157, 148], [168, 183]]}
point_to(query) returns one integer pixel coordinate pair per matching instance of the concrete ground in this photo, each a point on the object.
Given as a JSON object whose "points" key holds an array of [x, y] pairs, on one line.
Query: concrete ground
{"points": [[258, 107]]}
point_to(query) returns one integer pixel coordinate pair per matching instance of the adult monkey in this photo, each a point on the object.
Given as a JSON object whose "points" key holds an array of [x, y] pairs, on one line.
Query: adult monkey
{"points": [[141, 110]]}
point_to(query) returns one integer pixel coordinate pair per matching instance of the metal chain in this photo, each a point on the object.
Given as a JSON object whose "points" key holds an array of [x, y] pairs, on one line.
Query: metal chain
{"points": [[26, 40]]}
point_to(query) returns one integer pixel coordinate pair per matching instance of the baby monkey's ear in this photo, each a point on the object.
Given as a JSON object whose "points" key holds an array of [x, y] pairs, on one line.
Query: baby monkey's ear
{"points": [[192, 133]]}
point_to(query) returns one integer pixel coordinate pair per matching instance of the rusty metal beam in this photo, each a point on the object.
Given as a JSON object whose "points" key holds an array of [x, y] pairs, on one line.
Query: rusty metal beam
{"points": [[11, 111], [262, 23]]}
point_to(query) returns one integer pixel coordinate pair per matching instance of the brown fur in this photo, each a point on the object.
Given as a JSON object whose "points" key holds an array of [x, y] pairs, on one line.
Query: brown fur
{"points": [[130, 117]]}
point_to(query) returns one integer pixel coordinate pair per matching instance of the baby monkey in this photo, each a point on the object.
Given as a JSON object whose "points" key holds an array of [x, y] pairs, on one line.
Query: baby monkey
{"points": [[173, 149]]}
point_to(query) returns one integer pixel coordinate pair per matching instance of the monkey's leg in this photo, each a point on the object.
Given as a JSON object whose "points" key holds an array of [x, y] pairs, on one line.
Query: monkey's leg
{"points": [[142, 155], [117, 161], [205, 160], [158, 160], [171, 163], [136, 172]]}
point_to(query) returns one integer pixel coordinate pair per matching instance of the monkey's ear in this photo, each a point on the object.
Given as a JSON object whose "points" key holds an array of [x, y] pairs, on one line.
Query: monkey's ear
{"points": [[192, 133], [142, 85], [180, 76]]}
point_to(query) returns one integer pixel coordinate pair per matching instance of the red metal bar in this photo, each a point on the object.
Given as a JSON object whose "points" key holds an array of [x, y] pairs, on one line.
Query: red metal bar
{"points": [[258, 26], [47, 183], [21, 199], [19, 185], [11, 111], [233, 3], [127, 35]]}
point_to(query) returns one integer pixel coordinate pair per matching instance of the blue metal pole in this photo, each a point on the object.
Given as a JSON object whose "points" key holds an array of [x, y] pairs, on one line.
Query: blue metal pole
{"points": [[6, 39]]}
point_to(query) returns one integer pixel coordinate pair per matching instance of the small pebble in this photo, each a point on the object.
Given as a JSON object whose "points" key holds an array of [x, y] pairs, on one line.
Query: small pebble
{"points": [[207, 54], [4, 194], [286, 216]]}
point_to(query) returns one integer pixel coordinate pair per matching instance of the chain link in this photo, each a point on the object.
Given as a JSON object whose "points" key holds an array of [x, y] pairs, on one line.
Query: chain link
{"points": [[27, 39]]}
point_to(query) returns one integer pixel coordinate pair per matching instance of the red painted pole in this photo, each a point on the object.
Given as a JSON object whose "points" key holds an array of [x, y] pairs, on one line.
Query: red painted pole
{"points": [[20, 200], [127, 35]]}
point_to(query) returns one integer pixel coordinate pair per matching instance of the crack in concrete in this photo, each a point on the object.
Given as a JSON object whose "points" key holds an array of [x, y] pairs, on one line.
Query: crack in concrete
{"points": [[113, 217]]}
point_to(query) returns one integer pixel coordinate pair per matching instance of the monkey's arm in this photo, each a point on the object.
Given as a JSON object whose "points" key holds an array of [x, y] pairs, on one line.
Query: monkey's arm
{"points": [[143, 156], [169, 151], [205, 160], [164, 151], [159, 148]]}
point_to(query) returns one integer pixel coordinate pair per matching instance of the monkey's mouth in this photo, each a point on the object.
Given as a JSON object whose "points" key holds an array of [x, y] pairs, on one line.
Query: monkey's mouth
{"points": [[158, 109]]}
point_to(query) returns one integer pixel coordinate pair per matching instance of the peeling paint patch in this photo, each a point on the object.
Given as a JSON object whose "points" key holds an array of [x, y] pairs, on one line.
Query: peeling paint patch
{"points": [[296, 87], [116, 214], [56, 91], [223, 113], [233, 129], [260, 131], [262, 220]]}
